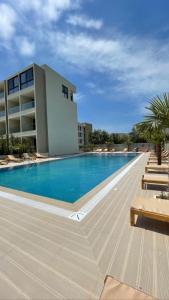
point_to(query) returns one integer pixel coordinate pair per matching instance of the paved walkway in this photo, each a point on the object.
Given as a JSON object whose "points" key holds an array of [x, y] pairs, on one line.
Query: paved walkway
{"points": [[48, 257]]}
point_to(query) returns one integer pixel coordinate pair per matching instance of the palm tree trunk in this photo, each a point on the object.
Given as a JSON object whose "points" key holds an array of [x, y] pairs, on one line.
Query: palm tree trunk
{"points": [[158, 147], [155, 148]]}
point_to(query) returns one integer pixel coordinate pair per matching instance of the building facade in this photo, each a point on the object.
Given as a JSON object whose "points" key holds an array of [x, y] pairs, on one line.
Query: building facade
{"points": [[36, 105], [84, 132]]}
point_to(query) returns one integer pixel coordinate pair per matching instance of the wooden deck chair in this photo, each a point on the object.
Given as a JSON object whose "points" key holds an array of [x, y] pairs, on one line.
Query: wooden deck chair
{"points": [[116, 290], [26, 156], [12, 158], [157, 168], [153, 208], [38, 155], [154, 179]]}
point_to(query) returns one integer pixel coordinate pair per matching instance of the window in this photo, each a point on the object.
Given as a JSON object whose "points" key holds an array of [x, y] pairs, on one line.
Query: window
{"points": [[65, 91], [26, 78], [34, 124], [13, 85], [71, 96]]}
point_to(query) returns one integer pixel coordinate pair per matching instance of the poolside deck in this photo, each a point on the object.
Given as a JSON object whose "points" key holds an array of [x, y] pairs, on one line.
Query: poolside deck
{"points": [[49, 257]]}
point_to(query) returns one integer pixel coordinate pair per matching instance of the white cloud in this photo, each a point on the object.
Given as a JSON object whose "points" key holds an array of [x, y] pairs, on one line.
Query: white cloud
{"points": [[132, 65], [48, 10], [140, 67], [94, 88], [8, 20], [79, 98], [84, 21], [26, 47]]}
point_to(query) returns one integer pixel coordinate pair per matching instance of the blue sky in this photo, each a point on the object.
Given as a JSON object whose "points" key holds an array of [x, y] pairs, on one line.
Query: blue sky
{"points": [[115, 51]]}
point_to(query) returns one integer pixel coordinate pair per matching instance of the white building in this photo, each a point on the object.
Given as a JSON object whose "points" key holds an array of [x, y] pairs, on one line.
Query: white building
{"points": [[36, 105], [84, 132]]}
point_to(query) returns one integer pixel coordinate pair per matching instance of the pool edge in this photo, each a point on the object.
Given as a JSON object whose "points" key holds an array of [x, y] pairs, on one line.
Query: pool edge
{"points": [[71, 214]]}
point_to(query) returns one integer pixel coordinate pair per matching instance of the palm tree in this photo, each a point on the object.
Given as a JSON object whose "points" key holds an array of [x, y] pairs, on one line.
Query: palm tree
{"points": [[157, 121], [159, 111], [152, 133]]}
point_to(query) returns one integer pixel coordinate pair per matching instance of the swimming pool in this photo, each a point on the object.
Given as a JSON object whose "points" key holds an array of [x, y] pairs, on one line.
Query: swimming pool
{"points": [[66, 179]]}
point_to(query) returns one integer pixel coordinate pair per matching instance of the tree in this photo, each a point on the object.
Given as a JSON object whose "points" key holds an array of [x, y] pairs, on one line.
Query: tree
{"points": [[3, 145], [153, 133], [135, 137], [158, 120], [99, 137], [128, 142], [118, 138], [159, 111]]}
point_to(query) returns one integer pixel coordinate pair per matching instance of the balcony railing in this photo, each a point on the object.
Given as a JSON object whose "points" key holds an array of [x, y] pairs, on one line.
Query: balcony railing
{"points": [[14, 130], [27, 105], [2, 113], [1, 95], [13, 110], [2, 132], [27, 84], [28, 129]]}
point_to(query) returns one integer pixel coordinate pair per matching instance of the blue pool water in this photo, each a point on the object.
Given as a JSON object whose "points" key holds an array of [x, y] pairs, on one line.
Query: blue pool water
{"points": [[66, 179]]}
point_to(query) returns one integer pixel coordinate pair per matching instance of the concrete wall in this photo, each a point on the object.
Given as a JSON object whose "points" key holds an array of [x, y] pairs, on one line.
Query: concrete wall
{"points": [[61, 115], [41, 115], [121, 147]]}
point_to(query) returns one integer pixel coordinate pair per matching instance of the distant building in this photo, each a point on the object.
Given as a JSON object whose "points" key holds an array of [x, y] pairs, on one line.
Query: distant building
{"points": [[84, 132], [36, 104]]}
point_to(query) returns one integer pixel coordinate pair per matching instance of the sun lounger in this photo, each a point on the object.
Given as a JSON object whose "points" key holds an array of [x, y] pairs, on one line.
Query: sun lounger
{"points": [[164, 168], [153, 208], [13, 158], [99, 150], [154, 179], [38, 155], [155, 157], [26, 156], [163, 154], [155, 161], [116, 290], [3, 162]]}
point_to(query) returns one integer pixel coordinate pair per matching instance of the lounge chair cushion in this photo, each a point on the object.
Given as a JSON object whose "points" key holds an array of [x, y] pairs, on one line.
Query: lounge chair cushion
{"points": [[115, 290], [156, 177], [155, 166], [154, 205], [38, 155]]}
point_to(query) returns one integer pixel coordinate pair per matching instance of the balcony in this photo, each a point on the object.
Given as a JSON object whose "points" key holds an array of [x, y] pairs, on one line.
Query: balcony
{"points": [[2, 95], [15, 130], [29, 132], [27, 84], [2, 113], [28, 105], [2, 127], [26, 133], [13, 110]]}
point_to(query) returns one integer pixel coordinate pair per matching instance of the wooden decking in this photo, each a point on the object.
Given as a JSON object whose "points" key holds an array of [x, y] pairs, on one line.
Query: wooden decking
{"points": [[48, 257]]}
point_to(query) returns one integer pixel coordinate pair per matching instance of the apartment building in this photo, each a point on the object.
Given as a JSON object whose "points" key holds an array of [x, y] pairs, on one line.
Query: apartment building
{"points": [[84, 132], [37, 105]]}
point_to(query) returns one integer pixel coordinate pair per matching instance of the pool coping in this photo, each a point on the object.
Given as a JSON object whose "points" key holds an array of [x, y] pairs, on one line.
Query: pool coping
{"points": [[76, 211]]}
